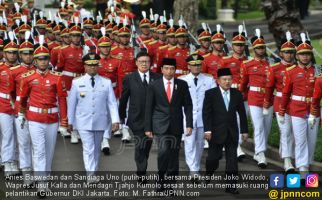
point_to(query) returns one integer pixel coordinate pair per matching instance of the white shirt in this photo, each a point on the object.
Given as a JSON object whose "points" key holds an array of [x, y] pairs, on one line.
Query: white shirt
{"points": [[147, 76], [165, 82], [222, 93]]}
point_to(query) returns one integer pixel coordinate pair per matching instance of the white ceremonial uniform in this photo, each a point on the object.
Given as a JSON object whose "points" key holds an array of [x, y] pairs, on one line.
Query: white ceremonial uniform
{"points": [[92, 110], [194, 144]]}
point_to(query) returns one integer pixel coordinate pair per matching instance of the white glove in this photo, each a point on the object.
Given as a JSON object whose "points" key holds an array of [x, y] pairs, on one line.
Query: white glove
{"points": [[63, 130], [21, 118], [265, 111], [311, 121], [281, 119]]}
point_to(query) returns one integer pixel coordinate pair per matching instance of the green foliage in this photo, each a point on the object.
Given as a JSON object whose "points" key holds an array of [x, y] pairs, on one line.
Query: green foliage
{"points": [[89, 4], [317, 44]]}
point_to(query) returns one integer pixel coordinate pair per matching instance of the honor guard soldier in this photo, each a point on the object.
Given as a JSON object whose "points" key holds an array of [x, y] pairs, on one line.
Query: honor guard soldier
{"points": [[297, 95], [90, 41], [275, 78], [63, 32], [234, 62], [41, 24], [8, 139], [26, 50], [144, 39], [204, 38], [108, 68], [155, 44], [25, 26], [43, 97], [181, 51], [254, 75], [125, 54], [92, 109], [198, 84], [161, 51], [210, 65], [70, 62]]}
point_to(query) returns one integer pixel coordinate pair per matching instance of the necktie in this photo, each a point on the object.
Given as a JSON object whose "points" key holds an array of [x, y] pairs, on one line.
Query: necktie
{"points": [[196, 81], [145, 83], [93, 81], [169, 91], [226, 99]]}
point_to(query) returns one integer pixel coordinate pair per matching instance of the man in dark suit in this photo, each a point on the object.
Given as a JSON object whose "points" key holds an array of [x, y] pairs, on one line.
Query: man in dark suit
{"points": [[164, 118], [134, 88], [220, 109]]}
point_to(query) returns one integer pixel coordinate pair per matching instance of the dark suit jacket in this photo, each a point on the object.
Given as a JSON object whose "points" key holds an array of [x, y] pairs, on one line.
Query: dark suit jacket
{"points": [[134, 89], [162, 116], [218, 120]]}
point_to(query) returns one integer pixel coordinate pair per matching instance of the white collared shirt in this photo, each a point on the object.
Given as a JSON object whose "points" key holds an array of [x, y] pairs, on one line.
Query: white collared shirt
{"points": [[222, 93], [147, 76], [165, 83]]}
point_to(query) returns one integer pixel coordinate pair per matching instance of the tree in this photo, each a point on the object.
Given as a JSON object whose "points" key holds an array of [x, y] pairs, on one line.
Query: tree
{"points": [[189, 9], [282, 15]]}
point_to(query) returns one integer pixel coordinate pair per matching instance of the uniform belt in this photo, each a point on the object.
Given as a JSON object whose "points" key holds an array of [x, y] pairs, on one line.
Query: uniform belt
{"points": [[4, 96], [43, 110], [256, 89], [114, 84], [301, 98], [71, 74], [235, 85], [278, 94]]}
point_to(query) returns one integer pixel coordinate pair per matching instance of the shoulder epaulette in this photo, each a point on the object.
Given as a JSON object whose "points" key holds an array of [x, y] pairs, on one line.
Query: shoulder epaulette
{"points": [[206, 55], [1, 63], [171, 48], [58, 47], [226, 57], [163, 47], [29, 73], [152, 42], [246, 61], [56, 73], [15, 67], [290, 68], [275, 64], [113, 48], [64, 47]]}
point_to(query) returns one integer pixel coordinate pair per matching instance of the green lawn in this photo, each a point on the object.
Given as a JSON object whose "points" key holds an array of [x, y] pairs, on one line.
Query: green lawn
{"points": [[250, 15], [274, 138], [317, 44]]}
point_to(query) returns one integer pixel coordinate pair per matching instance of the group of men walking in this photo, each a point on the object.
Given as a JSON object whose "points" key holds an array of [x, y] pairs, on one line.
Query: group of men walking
{"points": [[83, 78]]}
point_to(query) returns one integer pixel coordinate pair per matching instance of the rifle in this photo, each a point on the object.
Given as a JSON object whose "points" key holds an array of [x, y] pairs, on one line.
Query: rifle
{"points": [[135, 36], [248, 42]]}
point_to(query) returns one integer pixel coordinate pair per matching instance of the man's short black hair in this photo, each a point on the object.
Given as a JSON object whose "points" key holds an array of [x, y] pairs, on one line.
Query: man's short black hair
{"points": [[141, 54]]}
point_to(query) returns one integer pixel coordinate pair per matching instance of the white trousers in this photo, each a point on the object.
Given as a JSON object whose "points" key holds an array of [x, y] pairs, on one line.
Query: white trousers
{"points": [[91, 142], [8, 145], [193, 148], [43, 139], [262, 126], [286, 149], [305, 141], [24, 145]]}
